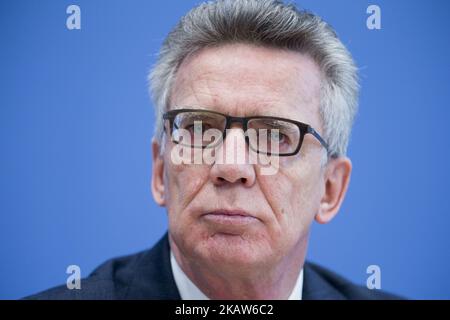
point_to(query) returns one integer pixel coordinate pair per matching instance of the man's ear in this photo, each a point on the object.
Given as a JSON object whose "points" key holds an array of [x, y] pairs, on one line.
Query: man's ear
{"points": [[157, 174], [336, 179]]}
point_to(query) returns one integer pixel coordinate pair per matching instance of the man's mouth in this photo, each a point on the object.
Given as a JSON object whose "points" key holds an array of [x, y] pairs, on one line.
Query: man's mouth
{"points": [[230, 217]]}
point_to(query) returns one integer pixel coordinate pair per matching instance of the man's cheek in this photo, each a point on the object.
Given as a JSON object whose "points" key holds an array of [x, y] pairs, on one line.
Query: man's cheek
{"points": [[192, 177], [185, 182], [278, 190]]}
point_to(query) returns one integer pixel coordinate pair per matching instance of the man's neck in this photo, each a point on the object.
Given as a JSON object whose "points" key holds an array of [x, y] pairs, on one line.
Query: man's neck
{"points": [[276, 283]]}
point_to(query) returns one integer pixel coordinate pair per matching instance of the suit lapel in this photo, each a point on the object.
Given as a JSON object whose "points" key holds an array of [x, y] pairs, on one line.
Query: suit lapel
{"points": [[153, 277], [315, 286]]}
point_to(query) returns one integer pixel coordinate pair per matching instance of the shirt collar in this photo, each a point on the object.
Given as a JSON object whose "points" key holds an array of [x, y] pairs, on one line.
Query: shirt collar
{"points": [[189, 291]]}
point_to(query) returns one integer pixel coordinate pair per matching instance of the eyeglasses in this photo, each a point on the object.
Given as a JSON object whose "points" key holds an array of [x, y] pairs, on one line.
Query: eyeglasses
{"points": [[198, 128]]}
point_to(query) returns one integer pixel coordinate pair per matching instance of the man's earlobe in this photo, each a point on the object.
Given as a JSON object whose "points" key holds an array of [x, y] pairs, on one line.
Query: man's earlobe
{"points": [[336, 179], [158, 189]]}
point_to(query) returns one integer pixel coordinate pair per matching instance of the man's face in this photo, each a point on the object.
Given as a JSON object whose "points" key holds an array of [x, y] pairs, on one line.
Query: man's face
{"points": [[231, 215]]}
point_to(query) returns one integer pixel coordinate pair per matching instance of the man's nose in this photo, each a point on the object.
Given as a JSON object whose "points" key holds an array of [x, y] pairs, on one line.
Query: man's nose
{"points": [[232, 163]]}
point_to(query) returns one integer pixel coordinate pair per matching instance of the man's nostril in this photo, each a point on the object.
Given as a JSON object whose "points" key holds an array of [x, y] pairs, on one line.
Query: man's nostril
{"points": [[243, 180]]}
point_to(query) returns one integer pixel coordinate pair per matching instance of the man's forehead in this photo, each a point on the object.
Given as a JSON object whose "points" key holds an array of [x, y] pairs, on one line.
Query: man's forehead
{"points": [[248, 78], [248, 110]]}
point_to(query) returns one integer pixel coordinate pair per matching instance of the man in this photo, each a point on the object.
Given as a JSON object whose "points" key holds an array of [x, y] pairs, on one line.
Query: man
{"points": [[273, 87]]}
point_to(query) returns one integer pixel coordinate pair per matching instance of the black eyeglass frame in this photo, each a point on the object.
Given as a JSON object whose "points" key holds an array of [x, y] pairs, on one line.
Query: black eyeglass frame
{"points": [[303, 127]]}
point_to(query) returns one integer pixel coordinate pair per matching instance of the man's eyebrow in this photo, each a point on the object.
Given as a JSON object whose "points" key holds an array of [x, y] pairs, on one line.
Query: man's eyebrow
{"points": [[256, 110], [268, 114], [266, 110], [272, 121]]}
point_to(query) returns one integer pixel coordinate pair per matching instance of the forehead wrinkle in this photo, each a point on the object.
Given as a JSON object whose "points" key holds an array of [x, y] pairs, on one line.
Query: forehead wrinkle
{"points": [[202, 90], [192, 85], [206, 65], [211, 83]]}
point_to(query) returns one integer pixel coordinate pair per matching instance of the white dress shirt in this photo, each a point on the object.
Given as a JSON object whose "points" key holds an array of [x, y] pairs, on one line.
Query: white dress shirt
{"points": [[189, 291]]}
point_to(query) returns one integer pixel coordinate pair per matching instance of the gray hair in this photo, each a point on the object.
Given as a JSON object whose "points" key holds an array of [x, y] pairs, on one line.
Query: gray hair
{"points": [[269, 23]]}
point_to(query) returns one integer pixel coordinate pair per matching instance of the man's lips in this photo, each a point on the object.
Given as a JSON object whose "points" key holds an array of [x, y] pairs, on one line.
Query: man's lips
{"points": [[230, 217]]}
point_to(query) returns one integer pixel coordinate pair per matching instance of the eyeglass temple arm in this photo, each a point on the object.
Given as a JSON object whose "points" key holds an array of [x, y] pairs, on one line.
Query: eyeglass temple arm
{"points": [[170, 118], [318, 137]]}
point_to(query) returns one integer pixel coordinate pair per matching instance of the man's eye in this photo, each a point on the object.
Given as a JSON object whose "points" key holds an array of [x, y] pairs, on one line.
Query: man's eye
{"points": [[277, 136], [197, 127]]}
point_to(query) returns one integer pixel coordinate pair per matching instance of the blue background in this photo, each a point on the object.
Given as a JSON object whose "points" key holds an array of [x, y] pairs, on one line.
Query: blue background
{"points": [[76, 125]]}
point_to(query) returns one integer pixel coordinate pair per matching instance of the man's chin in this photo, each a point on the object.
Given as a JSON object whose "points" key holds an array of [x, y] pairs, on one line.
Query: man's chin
{"points": [[224, 250]]}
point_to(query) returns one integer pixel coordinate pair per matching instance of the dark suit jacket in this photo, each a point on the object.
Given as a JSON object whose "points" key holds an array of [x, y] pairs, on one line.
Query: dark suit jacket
{"points": [[148, 275]]}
